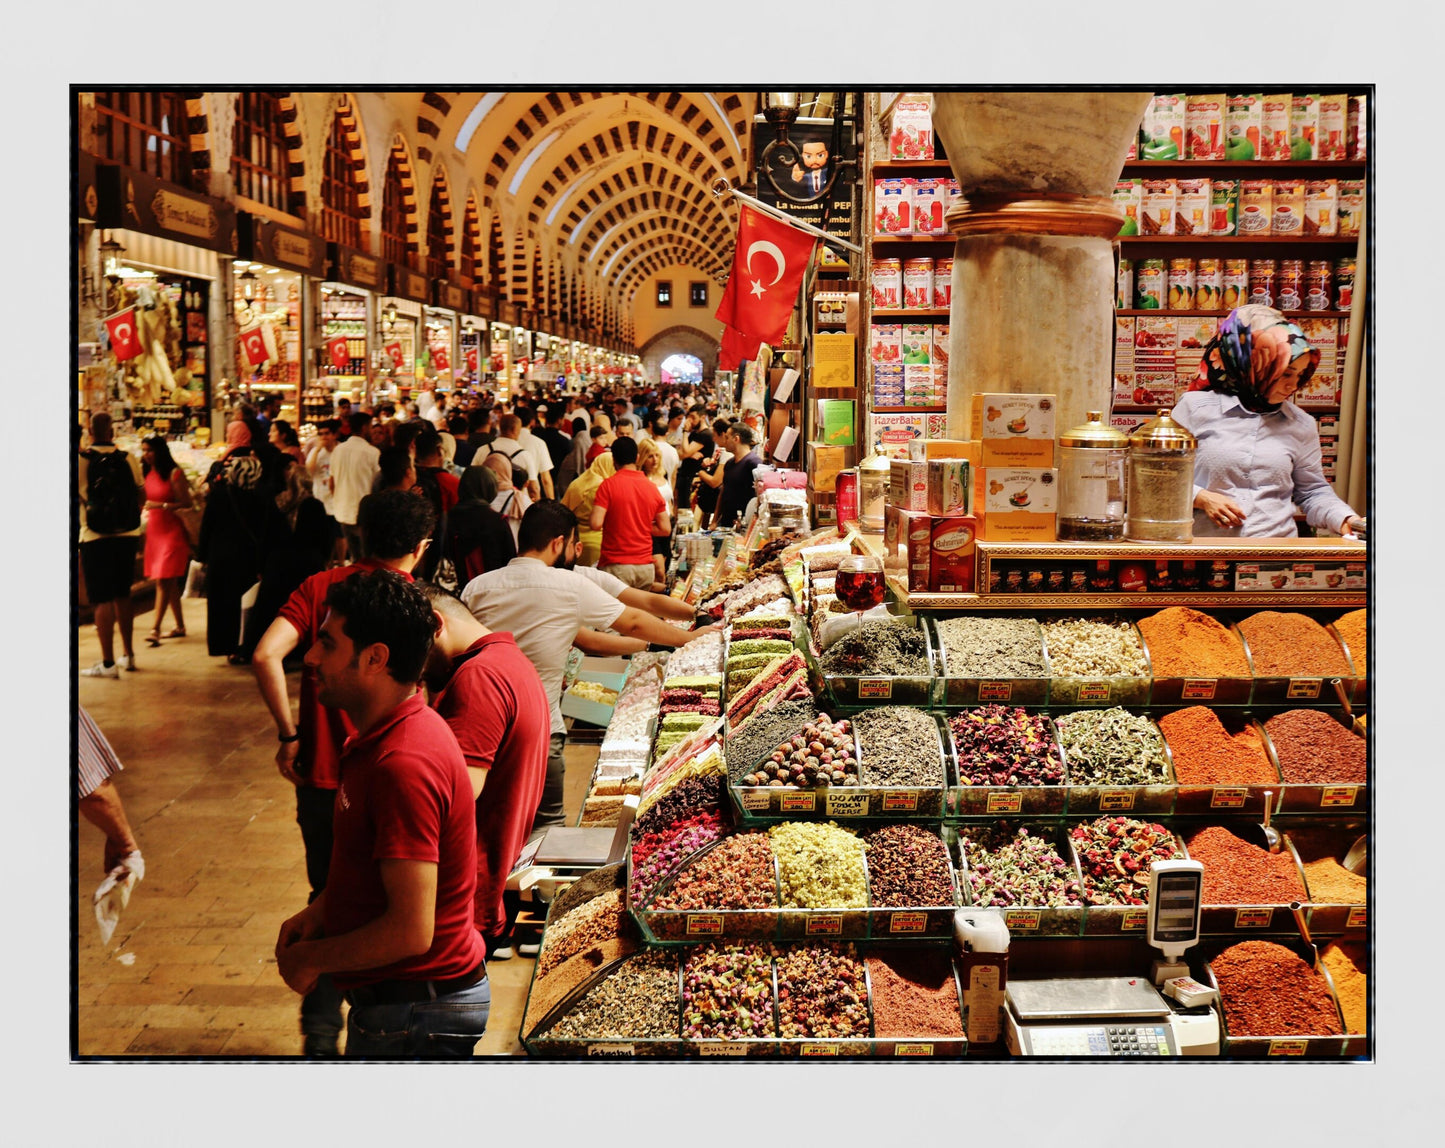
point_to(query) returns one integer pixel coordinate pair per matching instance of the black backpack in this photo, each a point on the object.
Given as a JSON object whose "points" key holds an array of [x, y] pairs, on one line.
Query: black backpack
{"points": [[520, 476], [111, 505]]}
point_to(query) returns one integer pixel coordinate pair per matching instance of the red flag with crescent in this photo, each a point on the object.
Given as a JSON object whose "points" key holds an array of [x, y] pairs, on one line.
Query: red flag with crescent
{"points": [[471, 353], [736, 347], [768, 265], [441, 359], [120, 328], [340, 352], [254, 345], [394, 351]]}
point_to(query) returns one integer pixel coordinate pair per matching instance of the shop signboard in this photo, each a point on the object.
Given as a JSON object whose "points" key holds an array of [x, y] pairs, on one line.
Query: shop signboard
{"points": [[87, 186], [355, 268], [484, 306], [790, 187], [139, 201], [408, 284], [277, 246], [448, 295]]}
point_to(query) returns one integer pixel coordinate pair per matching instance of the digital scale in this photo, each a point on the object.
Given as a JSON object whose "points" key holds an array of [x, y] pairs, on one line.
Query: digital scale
{"points": [[1126, 1016], [552, 861]]}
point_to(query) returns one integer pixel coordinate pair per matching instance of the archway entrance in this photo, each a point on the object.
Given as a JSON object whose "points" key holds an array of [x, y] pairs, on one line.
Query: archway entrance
{"points": [[681, 368]]}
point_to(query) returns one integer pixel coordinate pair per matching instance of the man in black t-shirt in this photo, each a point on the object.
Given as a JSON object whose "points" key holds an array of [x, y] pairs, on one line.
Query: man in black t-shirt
{"points": [[737, 474]]}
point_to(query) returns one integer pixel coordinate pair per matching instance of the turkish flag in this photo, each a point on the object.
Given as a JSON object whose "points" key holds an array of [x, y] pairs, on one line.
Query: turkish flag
{"points": [[471, 354], [440, 359], [120, 327], [256, 346], [340, 353], [768, 265], [394, 350], [736, 347]]}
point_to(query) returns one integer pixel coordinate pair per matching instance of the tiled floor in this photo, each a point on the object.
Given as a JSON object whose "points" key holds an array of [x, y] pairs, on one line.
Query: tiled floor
{"points": [[190, 971]]}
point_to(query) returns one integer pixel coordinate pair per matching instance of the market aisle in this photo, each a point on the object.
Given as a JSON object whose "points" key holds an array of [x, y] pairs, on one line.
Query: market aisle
{"points": [[190, 971]]}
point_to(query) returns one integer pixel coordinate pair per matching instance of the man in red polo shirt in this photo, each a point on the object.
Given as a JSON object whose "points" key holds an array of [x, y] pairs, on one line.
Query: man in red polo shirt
{"points": [[628, 510], [394, 926], [396, 526], [494, 701]]}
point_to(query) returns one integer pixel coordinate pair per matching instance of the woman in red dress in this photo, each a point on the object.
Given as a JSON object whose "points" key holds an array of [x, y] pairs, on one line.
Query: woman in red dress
{"points": [[168, 548]]}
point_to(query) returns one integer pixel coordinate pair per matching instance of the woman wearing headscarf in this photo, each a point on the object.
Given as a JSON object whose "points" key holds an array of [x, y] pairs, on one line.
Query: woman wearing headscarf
{"points": [[579, 498], [238, 441], [509, 502], [1259, 454], [478, 539], [232, 529]]}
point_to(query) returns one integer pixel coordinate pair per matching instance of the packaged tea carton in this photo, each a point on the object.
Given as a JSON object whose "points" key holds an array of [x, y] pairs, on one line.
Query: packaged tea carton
{"points": [[1243, 125], [1274, 128], [1288, 213], [1156, 211], [1330, 135], [1204, 126], [1322, 207], [1127, 198], [1163, 129], [1304, 127], [1351, 209], [1192, 207]]}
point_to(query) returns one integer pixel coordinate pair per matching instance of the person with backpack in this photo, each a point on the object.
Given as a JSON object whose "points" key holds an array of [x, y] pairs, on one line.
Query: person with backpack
{"points": [[510, 502], [508, 445], [112, 493]]}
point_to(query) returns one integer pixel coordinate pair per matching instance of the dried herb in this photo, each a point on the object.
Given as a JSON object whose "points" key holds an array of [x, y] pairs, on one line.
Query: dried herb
{"points": [[899, 746], [892, 648], [992, 647], [1009, 867], [1115, 854], [1006, 745], [821, 992], [1112, 747], [753, 740], [820, 865], [654, 855], [727, 993], [637, 1001], [907, 866], [1094, 648]]}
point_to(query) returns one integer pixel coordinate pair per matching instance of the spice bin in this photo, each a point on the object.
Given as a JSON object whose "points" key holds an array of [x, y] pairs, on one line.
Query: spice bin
{"points": [[1024, 917], [967, 800], [1357, 654], [960, 689], [1341, 798], [1074, 689], [1122, 917], [914, 1040], [1148, 799], [675, 926], [860, 691], [546, 1042], [1228, 796], [1303, 689], [1185, 691], [1245, 918], [1307, 1046], [1338, 898]]}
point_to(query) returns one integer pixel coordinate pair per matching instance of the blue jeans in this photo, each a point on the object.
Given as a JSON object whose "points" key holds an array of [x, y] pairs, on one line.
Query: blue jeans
{"points": [[447, 1028]]}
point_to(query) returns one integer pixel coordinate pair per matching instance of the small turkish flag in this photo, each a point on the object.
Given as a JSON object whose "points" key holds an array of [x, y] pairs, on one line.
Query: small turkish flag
{"points": [[768, 264], [253, 343], [440, 359], [394, 350], [471, 354], [340, 353], [121, 329], [736, 347]]}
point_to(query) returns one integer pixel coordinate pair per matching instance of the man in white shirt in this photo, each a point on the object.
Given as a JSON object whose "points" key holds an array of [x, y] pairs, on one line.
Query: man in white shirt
{"points": [[354, 467], [508, 444], [670, 459], [542, 602], [537, 448]]}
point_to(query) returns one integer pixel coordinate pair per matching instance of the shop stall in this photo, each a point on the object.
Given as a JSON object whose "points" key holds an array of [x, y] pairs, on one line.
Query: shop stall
{"points": [[348, 316], [402, 336]]}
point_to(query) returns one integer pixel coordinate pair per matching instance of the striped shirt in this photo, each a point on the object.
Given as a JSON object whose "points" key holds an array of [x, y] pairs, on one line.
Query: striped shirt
{"points": [[97, 761]]}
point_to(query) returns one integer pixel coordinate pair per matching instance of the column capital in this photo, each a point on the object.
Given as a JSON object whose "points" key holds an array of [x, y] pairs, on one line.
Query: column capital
{"points": [[1031, 213]]}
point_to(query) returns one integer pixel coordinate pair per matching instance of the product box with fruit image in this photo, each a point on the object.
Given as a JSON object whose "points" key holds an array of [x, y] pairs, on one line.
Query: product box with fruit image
{"points": [[1157, 205], [1304, 128], [1204, 126], [1016, 504], [1127, 198], [1243, 124], [892, 207], [1330, 137], [910, 134], [1274, 126], [885, 343], [1194, 335], [1015, 430], [1162, 132], [930, 201]]}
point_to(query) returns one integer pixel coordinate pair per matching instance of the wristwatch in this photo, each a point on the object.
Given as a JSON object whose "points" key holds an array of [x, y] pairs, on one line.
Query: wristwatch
{"points": [[288, 740]]}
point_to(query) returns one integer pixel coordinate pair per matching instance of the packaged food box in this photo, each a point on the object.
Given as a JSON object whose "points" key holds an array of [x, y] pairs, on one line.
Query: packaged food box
{"points": [[1016, 504], [938, 552], [1274, 127], [1304, 127], [1124, 352], [1288, 209], [1330, 131], [1162, 134], [940, 358], [1357, 128], [929, 204], [943, 282], [1204, 126], [890, 434], [1322, 207], [1192, 207], [885, 342], [1157, 205], [886, 280], [825, 462], [910, 134], [1223, 206], [917, 282], [1325, 386], [892, 207], [1263, 576], [940, 447], [1243, 126], [908, 484], [950, 486], [1351, 207], [1127, 198], [835, 418], [1194, 334], [1256, 206], [1015, 430]]}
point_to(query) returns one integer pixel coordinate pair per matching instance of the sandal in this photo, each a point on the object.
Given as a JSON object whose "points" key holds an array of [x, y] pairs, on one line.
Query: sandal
{"points": [[239, 659], [153, 639], [178, 633]]}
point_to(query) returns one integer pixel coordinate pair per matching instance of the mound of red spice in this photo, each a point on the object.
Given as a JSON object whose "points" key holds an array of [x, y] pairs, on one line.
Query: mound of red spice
{"points": [[1238, 873], [1267, 990], [1314, 749], [1205, 753], [1286, 645]]}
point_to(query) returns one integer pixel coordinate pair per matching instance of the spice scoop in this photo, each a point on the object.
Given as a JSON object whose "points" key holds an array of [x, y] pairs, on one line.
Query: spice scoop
{"points": [[1357, 859], [1265, 835]]}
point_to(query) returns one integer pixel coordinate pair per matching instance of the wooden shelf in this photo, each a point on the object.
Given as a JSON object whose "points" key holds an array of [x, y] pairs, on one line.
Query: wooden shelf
{"points": [[909, 410], [1221, 313], [927, 313], [1194, 167], [1242, 240], [913, 165], [876, 240]]}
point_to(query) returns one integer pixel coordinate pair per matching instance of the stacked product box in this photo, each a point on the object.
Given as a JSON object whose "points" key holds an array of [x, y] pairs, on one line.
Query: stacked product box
{"points": [[1325, 386], [1015, 485], [1145, 360]]}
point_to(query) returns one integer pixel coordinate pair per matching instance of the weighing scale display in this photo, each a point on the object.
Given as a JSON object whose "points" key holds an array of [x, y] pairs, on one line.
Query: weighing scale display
{"points": [[1099, 1040], [1176, 908]]}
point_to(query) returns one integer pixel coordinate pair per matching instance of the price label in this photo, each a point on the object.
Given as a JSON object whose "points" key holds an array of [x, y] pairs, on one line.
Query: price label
{"points": [[1022, 920], [1303, 688], [1198, 689], [907, 922], [900, 803], [1228, 798], [1004, 802], [1135, 920], [799, 802], [621, 1050], [1123, 799], [704, 924], [913, 1050], [819, 1050], [1356, 919], [755, 800], [825, 924], [1288, 1047], [1332, 795], [846, 804], [995, 691], [722, 1048], [1253, 918], [875, 688], [1095, 691]]}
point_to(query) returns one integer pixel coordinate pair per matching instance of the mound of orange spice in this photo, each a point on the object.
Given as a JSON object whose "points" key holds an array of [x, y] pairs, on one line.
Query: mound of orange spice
{"points": [[1185, 643]]}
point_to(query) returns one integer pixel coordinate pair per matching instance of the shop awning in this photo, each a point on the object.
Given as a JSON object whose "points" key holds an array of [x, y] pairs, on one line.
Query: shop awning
{"points": [[268, 242], [142, 202]]}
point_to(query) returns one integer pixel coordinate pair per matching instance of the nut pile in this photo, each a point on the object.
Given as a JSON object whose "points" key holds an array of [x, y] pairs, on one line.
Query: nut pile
{"points": [[1094, 648], [907, 867], [600, 919], [992, 647], [751, 742], [1112, 747], [820, 865], [899, 746], [914, 995], [892, 648], [738, 874], [637, 1001], [727, 993], [821, 992], [822, 754], [654, 855], [1115, 854], [1009, 867], [1005, 745], [1268, 990]]}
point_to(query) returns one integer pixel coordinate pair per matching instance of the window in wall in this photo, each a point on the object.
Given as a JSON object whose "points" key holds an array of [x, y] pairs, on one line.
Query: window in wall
{"points": [[438, 234], [664, 293], [148, 131], [395, 245], [341, 211], [697, 294], [261, 153]]}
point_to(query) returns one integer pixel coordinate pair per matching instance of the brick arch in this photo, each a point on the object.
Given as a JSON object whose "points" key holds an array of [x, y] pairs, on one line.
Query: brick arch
{"points": [[434, 109], [677, 196], [344, 115], [440, 189], [399, 155], [690, 248], [470, 237], [680, 339]]}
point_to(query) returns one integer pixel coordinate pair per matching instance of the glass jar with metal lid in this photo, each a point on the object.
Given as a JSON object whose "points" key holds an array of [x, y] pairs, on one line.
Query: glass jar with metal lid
{"points": [[874, 473], [1161, 482], [1092, 460]]}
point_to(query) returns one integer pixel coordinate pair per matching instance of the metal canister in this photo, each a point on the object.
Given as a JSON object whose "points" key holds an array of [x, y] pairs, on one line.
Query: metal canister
{"points": [[886, 280], [1151, 290], [918, 283], [1208, 284], [943, 282], [1181, 284], [1235, 284], [1319, 285], [1263, 274], [845, 495], [1289, 286], [1124, 285], [1344, 282]]}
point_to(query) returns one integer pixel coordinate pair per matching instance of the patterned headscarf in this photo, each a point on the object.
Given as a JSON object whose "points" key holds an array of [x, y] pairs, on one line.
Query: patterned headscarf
{"points": [[243, 471], [1254, 347]]}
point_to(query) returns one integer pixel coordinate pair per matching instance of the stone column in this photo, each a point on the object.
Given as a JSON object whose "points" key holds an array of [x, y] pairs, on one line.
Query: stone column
{"points": [[1033, 271]]}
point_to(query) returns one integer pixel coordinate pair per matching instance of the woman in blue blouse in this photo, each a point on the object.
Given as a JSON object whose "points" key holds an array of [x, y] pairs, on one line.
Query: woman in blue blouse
{"points": [[1259, 454]]}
